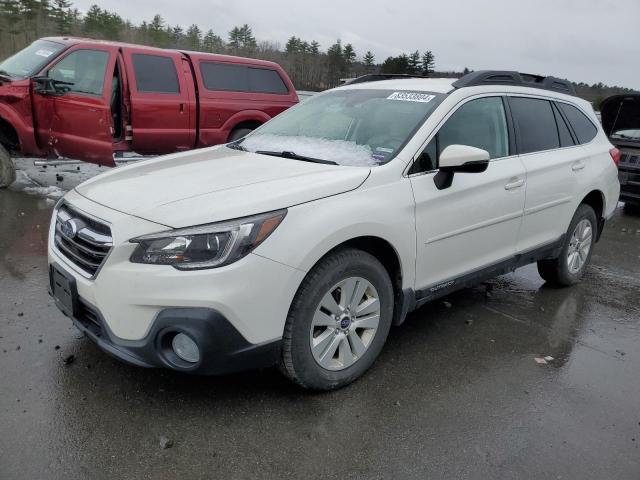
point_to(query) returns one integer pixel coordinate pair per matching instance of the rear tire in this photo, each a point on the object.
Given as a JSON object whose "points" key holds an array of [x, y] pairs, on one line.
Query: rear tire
{"points": [[356, 329], [575, 256], [238, 133], [7, 168]]}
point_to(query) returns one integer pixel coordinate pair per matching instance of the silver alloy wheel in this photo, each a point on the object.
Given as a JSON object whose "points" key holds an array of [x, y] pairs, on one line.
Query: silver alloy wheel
{"points": [[345, 323], [579, 246]]}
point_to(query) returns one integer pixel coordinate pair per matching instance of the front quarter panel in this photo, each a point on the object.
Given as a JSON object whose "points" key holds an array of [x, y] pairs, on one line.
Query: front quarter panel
{"points": [[378, 209]]}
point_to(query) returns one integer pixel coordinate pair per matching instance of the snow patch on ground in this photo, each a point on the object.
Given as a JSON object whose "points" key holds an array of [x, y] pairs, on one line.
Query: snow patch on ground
{"points": [[339, 151], [49, 192]]}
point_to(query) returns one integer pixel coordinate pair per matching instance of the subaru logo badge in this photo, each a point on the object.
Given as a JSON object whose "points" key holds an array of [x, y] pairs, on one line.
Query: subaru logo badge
{"points": [[69, 228]]}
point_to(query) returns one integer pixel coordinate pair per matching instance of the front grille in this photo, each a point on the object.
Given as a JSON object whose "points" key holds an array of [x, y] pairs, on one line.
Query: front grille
{"points": [[85, 241], [630, 159]]}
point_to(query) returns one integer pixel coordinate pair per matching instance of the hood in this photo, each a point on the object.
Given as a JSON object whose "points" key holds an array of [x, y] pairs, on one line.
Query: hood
{"points": [[620, 112], [215, 184]]}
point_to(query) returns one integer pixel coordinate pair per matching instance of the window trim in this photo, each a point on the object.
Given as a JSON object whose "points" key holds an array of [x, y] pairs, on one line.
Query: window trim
{"points": [[247, 67], [511, 144], [67, 53], [558, 112], [137, 90]]}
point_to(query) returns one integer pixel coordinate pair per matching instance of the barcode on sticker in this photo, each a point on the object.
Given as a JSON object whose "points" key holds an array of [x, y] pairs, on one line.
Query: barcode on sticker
{"points": [[44, 53], [411, 97]]}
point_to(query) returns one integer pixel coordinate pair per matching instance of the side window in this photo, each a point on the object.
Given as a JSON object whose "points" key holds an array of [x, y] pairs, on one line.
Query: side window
{"points": [[85, 69], [263, 80], [224, 76], [535, 123], [155, 74], [584, 129], [566, 140], [480, 123]]}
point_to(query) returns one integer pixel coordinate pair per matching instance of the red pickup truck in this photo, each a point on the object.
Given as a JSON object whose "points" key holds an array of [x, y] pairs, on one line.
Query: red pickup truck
{"points": [[89, 99]]}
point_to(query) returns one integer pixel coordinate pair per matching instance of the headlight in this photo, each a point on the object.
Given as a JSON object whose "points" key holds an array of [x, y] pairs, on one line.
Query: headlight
{"points": [[206, 246]]}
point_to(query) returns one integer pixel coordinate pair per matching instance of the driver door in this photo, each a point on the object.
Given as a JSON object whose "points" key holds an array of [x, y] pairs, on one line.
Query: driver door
{"points": [[472, 224], [75, 121]]}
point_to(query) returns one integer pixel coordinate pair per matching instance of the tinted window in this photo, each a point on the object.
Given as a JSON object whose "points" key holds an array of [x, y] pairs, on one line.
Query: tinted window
{"points": [[85, 69], [263, 80], [221, 76], [239, 78], [566, 140], [582, 126], [479, 123], [155, 74], [536, 124]]}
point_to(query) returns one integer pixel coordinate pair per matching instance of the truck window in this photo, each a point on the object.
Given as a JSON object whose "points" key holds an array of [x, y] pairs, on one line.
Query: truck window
{"points": [[241, 78], [263, 80], [155, 74], [85, 69]]}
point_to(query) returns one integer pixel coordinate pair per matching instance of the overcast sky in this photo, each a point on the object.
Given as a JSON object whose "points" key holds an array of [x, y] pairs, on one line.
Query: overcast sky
{"points": [[583, 40]]}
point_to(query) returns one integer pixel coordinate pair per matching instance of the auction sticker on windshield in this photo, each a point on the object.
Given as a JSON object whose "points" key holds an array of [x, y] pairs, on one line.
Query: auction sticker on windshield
{"points": [[411, 97], [44, 53]]}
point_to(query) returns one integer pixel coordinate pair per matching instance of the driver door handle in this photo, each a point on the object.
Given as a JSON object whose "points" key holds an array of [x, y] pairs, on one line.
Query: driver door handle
{"points": [[514, 183]]}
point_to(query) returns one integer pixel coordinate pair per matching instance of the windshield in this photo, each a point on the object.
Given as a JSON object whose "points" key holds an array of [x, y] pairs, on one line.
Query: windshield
{"points": [[30, 60], [348, 127], [628, 134]]}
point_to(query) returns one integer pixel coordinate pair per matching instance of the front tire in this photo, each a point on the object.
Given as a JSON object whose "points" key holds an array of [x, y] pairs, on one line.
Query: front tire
{"points": [[575, 256], [7, 169], [239, 133], [338, 321]]}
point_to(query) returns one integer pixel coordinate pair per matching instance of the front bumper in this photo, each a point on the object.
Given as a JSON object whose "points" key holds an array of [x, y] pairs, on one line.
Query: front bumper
{"points": [[222, 348], [237, 312]]}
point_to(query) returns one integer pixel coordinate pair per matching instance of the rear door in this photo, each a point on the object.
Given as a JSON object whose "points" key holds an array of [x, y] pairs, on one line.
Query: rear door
{"points": [[77, 123], [553, 164], [162, 101], [473, 223]]}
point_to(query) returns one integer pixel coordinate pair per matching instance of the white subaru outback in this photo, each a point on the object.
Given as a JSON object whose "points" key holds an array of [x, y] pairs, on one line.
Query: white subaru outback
{"points": [[301, 244]]}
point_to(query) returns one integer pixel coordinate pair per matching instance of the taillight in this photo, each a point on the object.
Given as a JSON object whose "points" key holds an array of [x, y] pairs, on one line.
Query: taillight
{"points": [[615, 155]]}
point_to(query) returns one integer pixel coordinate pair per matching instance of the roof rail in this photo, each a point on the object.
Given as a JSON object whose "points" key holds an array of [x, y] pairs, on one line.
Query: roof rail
{"points": [[376, 77], [505, 77]]}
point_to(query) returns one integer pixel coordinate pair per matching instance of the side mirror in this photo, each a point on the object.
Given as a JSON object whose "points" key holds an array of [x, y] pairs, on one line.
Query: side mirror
{"points": [[463, 159], [48, 86], [459, 159]]}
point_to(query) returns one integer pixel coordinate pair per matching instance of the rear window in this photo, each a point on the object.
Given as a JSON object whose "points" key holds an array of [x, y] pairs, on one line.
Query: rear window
{"points": [[536, 124], [584, 129], [155, 74], [566, 140], [240, 78]]}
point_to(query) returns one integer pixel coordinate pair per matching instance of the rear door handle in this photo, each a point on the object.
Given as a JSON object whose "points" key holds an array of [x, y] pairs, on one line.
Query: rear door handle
{"points": [[579, 165], [182, 108], [514, 183]]}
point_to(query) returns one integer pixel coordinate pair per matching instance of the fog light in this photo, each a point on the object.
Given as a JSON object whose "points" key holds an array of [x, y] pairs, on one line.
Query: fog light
{"points": [[185, 348]]}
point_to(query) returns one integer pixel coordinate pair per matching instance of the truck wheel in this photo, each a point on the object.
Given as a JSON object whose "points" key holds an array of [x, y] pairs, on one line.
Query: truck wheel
{"points": [[238, 133], [7, 169], [570, 266], [338, 321]]}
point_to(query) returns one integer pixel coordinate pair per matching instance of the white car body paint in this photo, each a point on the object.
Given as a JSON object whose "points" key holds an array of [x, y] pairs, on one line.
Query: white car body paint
{"points": [[437, 234]]}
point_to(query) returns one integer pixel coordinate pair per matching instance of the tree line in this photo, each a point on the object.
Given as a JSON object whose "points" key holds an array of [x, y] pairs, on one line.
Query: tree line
{"points": [[309, 66]]}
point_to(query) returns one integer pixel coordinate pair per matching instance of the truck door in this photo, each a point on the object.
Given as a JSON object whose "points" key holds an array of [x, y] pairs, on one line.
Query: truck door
{"points": [[162, 101], [74, 121]]}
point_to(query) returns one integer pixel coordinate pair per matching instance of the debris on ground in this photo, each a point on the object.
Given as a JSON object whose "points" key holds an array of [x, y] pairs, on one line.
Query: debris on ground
{"points": [[69, 360], [469, 321], [621, 352], [57, 347], [447, 304], [540, 361], [59, 177], [21, 314], [165, 442], [548, 358]]}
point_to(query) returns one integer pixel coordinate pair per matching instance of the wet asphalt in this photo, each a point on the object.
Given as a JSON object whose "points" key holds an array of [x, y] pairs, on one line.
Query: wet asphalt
{"points": [[456, 392]]}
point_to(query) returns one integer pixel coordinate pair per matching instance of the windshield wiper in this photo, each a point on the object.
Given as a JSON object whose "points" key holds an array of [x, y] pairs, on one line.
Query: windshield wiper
{"points": [[5, 74], [295, 156], [236, 146]]}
